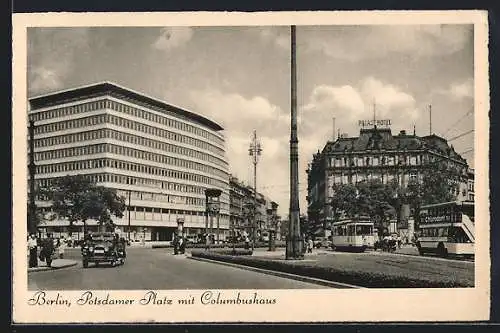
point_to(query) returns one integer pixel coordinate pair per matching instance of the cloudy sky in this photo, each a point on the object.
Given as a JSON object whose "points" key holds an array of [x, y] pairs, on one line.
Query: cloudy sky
{"points": [[240, 77]]}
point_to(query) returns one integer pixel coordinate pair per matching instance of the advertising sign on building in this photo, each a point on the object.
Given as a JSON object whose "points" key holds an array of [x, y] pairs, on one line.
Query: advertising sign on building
{"points": [[377, 122]]}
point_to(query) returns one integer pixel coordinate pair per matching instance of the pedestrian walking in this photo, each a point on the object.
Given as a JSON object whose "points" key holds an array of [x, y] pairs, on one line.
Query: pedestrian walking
{"points": [[61, 248], [310, 245], [47, 250], [33, 250]]}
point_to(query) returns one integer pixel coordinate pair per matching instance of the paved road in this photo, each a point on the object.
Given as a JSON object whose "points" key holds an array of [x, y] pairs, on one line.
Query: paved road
{"points": [[156, 269]]}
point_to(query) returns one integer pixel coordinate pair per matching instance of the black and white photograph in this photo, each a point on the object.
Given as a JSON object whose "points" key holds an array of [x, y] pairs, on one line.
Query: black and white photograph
{"points": [[172, 167]]}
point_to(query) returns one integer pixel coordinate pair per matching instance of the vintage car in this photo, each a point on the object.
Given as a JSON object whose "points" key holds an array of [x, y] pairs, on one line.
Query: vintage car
{"points": [[104, 247]]}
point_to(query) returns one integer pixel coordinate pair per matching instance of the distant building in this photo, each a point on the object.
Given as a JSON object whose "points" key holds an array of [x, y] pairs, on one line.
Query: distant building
{"points": [[159, 157], [241, 198], [377, 154], [470, 184]]}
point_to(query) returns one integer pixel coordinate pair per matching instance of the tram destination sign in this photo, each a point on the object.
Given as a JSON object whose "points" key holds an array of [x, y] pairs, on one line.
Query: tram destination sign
{"points": [[377, 122]]}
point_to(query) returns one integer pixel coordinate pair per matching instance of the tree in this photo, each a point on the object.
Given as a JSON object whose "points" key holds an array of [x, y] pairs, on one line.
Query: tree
{"points": [[439, 183], [372, 198], [377, 200], [344, 200], [78, 199]]}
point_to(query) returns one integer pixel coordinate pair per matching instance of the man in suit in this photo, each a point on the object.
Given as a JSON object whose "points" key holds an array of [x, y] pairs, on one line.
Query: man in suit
{"points": [[33, 250]]}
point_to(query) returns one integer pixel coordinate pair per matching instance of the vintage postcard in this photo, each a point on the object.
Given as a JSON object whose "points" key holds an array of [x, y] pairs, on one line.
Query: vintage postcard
{"points": [[250, 167]]}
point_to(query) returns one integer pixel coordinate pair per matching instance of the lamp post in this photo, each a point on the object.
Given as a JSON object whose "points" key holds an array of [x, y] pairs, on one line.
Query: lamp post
{"points": [[129, 207], [32, 170], [294, 241], [216, 211], [255, 150], [209, 193]]}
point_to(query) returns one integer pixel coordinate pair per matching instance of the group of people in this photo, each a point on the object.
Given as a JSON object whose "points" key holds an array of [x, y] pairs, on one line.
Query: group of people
{"points": [[48, 247]]}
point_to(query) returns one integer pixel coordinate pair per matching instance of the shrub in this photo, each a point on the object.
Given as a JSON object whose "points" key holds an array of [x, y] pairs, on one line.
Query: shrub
{"points": [[360, 278], [228, 252]]}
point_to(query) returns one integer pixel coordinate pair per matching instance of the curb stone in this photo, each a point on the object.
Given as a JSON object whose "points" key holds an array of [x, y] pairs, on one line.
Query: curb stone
{"points": [[301, 278], [45, 268]]}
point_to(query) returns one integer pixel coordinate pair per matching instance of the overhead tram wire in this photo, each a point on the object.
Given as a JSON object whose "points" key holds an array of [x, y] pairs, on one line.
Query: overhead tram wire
{"points": [[468, 113], [460, 135], [467, 151]]}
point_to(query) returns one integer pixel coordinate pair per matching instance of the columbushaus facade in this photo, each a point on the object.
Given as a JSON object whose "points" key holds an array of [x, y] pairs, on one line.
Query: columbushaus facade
{"points": [[376, 154], [159, 157]]}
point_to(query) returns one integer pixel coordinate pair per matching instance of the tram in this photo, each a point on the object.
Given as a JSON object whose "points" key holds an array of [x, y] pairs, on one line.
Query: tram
{"points": [[353, 234]]}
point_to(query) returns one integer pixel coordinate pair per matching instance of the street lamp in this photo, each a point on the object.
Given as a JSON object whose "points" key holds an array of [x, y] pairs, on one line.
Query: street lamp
{"points": [[129, 207], [294, 240], [32, 170], [209, 193], [255, 150]]}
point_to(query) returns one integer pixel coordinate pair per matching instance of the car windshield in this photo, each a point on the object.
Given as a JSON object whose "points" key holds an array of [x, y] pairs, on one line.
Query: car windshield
{"points": [[102, 237]]}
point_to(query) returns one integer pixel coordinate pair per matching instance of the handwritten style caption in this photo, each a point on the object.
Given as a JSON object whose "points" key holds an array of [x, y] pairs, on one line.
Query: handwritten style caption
{"points": [[150, 298]]}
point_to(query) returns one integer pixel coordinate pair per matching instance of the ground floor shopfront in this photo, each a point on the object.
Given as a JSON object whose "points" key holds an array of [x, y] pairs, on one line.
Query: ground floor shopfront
{"points": [[136, 233]]}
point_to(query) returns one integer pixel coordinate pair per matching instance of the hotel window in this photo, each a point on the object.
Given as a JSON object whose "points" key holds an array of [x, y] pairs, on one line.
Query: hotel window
{"points": [[375, 161]]}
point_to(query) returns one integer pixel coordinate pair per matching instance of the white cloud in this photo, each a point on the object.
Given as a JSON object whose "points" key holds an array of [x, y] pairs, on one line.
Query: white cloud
{"points": [[463, 89], [458, 90], [252, 113], [51, 53], [172, 37], [362, 42], [240, 115], [279, 36], [42, 78], [351, 103], [389, 100], [324, 98]]}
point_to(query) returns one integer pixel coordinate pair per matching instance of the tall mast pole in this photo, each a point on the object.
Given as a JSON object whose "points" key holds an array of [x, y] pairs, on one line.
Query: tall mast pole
{"points": [[294, 241], [430, 119], [32, 170], [255, 150]]}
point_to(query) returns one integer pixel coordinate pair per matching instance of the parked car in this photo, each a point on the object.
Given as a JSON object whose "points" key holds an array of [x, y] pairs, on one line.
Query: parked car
{"points": [[192, 239], [322, 242], [103, 247]]}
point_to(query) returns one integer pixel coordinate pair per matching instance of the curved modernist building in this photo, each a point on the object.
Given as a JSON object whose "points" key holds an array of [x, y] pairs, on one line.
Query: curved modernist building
{"points": [[159, 157]]}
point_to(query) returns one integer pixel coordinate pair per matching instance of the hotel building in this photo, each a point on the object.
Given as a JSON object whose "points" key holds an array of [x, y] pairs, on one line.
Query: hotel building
{"points": [[159, 157], [377, 154]]}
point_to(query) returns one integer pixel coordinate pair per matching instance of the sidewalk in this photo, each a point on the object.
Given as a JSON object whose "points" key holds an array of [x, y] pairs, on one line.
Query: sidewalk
{"points": [[56, 264]]}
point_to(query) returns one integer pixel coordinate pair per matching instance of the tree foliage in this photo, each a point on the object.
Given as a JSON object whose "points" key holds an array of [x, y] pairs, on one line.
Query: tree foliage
{"points": [[79, 199], [438, 183]]}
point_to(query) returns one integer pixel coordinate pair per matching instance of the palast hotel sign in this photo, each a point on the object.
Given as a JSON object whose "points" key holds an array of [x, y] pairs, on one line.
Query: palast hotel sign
{"points": [[373, 122]]}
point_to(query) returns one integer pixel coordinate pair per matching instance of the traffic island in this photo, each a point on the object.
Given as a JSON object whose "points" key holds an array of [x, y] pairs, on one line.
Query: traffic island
{"points": [[56, 264], [365, 270]]}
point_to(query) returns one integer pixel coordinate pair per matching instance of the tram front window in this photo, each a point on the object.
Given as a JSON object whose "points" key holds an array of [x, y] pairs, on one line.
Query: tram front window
{"points": [[363, 230]]}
